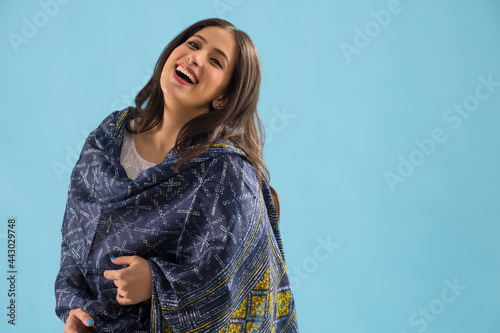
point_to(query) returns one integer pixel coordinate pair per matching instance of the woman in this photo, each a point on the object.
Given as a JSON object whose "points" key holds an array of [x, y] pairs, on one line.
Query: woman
{"points": [[170, 224]]}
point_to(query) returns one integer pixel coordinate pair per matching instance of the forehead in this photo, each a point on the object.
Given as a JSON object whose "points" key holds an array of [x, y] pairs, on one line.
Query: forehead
{"points": [[219, 38]]}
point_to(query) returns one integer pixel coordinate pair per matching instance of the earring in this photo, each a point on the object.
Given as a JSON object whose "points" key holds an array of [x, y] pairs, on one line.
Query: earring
{"points": [[218, 105]]}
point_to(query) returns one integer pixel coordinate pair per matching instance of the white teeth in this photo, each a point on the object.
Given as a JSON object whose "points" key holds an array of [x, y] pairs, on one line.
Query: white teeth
{"points": [[185, 72]]}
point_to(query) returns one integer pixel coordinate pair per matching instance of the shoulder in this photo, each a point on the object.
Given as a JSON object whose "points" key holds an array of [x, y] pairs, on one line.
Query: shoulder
{"points": [[229, 155], [110, 130], [219, 154], [234, 172], [222, 165], [106, 138], [116, 121]]}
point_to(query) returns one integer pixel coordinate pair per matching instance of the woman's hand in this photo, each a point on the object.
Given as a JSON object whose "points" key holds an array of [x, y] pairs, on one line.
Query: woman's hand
{"points": [[78, 321], [134, 283]]}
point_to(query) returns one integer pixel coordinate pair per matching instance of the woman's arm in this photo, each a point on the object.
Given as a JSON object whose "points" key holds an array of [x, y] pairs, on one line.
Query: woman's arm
{"points": [[223, 249], [70, 286]]}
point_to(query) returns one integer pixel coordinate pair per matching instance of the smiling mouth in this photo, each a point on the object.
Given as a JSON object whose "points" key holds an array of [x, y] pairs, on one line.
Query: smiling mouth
{"points": [[185, 75]]}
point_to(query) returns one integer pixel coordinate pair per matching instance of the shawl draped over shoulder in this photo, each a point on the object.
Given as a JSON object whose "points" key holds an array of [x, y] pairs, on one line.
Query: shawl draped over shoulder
{"points": [[208, 231]]}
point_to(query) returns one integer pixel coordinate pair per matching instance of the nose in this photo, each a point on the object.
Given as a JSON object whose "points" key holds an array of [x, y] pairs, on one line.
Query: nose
{"points": [[195, 58]]}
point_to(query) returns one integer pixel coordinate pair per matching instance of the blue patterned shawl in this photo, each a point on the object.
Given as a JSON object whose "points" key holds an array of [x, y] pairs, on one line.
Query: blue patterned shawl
{"points": [[208, 231]]}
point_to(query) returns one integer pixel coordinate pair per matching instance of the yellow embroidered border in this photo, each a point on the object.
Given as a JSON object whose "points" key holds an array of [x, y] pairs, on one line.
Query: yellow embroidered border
{"points": [[121, 118]]}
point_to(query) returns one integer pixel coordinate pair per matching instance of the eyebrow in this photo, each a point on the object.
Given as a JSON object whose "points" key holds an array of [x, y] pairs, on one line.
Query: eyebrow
{"points": [[216, 49]]}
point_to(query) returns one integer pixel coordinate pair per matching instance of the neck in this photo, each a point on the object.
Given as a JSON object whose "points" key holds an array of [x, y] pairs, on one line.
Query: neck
{"points": [[164, 135], [166, 132], [154, 144]]}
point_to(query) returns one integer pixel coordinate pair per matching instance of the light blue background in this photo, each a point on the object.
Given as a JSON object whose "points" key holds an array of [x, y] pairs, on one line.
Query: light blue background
{"points": [[335, 124]]}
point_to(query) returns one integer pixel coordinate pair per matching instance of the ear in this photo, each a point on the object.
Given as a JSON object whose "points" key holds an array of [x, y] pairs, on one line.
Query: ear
{"points": [[220, 102]]}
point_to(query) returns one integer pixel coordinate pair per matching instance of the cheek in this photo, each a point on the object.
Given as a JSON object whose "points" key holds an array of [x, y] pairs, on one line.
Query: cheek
{"points": [[163, 77], [217, 80], [175, 53], [169, 64]]}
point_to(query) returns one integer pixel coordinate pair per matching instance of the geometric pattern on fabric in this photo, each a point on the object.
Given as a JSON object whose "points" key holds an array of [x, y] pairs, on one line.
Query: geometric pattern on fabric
{"points": [[207, 229], [249, 313]]}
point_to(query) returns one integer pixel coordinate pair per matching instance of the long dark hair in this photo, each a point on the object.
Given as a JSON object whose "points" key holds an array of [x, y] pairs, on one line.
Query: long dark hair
{"points": [[237, 120]]}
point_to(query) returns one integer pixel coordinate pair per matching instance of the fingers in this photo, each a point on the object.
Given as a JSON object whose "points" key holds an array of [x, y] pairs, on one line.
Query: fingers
{"points": [[78, 321], [134, 283], [123, 295], [117, 277], [112, 274], [122, 300], [115, 274], [125, 260], [71, 326], [120, 283], [84, 317]]}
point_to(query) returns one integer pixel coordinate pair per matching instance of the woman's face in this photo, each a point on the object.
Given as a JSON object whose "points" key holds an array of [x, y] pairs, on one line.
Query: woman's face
{"points": [[198, 71]]}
